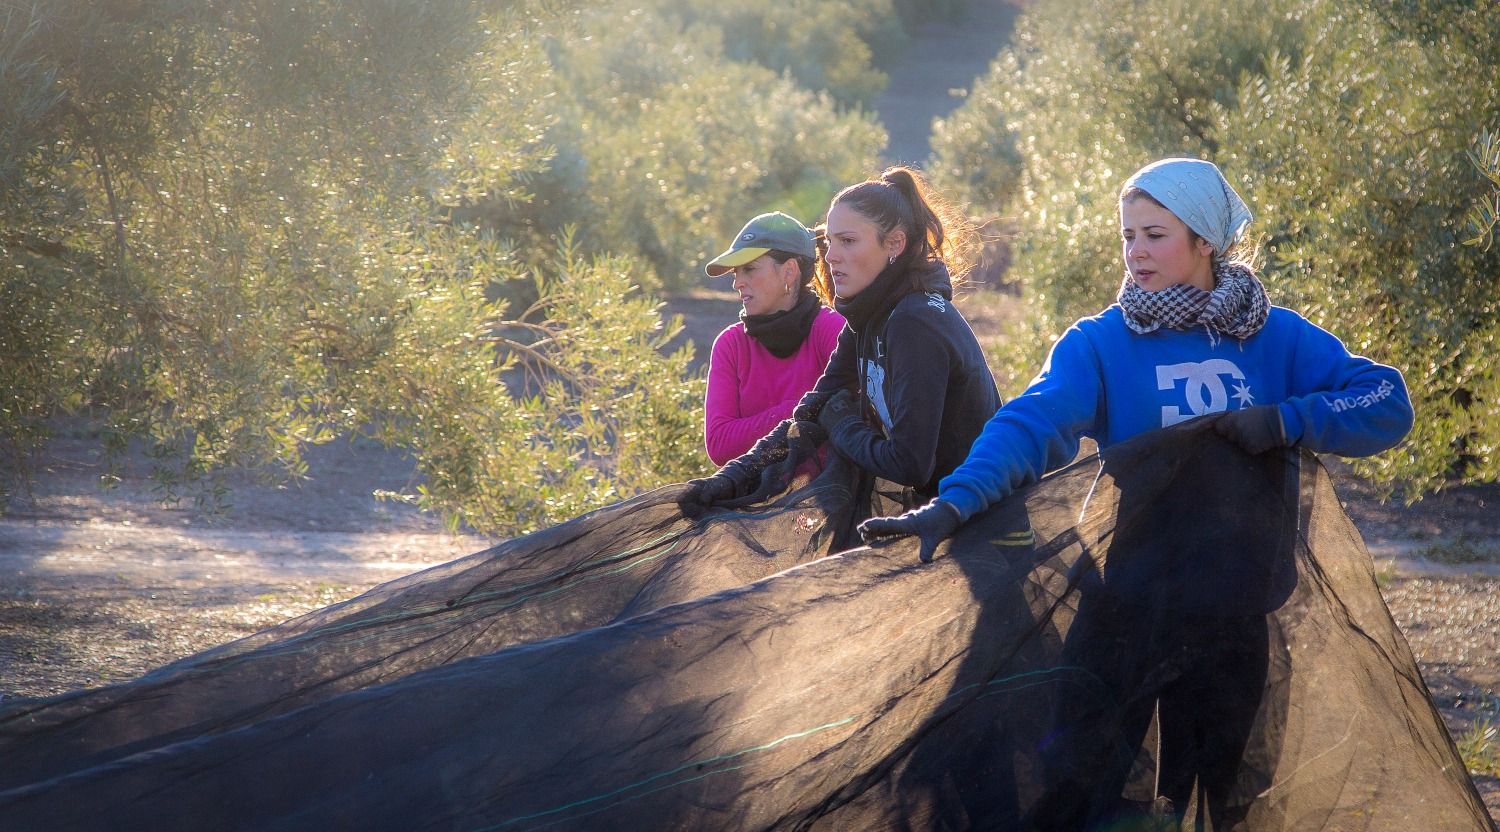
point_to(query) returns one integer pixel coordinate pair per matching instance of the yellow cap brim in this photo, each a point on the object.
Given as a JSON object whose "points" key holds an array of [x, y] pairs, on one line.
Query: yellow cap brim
{"points": [[732, 258]]}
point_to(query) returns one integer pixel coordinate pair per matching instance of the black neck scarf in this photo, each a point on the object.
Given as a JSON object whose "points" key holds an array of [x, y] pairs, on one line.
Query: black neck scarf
{"points": [[783, 332], [871, 305]]}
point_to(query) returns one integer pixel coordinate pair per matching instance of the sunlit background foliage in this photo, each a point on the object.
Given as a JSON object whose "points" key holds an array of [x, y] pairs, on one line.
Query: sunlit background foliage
{"points": [[229, 230], [1349, 127], [665, 142]]}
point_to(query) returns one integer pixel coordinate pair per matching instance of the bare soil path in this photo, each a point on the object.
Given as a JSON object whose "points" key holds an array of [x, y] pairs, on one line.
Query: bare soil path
{"points": [[930, 78], [100, 586]]}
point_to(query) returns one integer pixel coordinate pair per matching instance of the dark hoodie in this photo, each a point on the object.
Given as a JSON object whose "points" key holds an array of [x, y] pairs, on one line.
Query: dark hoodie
{"points": [[926, 389]]}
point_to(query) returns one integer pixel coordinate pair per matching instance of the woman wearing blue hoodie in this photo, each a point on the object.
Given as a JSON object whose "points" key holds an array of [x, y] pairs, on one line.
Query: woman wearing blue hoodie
{"points": [[1192, 335]]}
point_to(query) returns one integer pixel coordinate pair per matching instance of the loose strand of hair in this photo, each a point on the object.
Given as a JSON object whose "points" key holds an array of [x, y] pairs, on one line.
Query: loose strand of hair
{"points": [[821, 281]]}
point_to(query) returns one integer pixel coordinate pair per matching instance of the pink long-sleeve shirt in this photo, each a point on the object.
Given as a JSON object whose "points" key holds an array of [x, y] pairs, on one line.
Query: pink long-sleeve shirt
{"points": [[750, 390]]}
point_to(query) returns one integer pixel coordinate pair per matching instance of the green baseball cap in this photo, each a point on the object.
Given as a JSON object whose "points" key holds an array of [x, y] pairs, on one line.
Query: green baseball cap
{"points": [[768, 232]]}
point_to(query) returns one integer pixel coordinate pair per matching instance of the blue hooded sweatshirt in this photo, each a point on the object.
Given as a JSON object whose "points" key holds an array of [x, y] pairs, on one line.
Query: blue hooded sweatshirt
{"points": [[1108, 383]]}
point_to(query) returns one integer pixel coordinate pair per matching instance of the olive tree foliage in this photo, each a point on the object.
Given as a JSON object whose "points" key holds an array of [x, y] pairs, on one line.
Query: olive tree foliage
{"points": [[1347, 127], [666, 144], [841, 47], [835, 46], [228, 230], [1484, 217], [1475, 55], [591, 410]]}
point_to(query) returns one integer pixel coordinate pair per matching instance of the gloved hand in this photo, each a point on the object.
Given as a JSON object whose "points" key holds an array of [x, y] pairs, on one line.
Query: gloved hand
{"points": [[931, 523], [803, 439], [709, 490], [1256, 429], [840, 408], [740, 476], [812, 402]]}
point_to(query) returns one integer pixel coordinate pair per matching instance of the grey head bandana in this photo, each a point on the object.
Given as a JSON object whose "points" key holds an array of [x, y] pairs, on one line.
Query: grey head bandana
{"points": [[1199, 195]]}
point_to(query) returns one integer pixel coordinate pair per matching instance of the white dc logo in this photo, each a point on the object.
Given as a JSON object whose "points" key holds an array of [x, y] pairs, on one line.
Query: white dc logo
{"points": [[1204, 388]]}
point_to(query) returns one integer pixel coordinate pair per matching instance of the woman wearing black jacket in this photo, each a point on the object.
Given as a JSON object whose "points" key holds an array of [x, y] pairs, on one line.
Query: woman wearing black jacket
{"points": [[906, 390]]}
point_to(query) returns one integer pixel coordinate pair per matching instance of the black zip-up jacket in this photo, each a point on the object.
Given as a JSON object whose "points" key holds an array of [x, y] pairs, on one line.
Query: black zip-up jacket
{"points": [[922, 376]]}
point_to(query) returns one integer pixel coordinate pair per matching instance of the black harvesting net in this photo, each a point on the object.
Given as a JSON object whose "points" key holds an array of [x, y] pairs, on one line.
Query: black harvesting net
{"points": [[1169, 617]]}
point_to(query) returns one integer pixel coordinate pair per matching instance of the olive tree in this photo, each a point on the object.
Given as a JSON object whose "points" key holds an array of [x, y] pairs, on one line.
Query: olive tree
{"points": [[663, 153], [231, 230], [1346, 127]]}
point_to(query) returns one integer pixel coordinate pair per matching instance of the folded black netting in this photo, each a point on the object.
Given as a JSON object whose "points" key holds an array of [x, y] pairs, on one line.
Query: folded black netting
{"points": [[1169, 617], [605, 566]]}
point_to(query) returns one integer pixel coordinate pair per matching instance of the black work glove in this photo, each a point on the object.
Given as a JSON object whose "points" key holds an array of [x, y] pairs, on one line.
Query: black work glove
{"points": [[811, 403], [801, 443], [744, 470], [839, 408], [1256, 429], [709, 490], [740, 480], [931, 523], [803, 439]]}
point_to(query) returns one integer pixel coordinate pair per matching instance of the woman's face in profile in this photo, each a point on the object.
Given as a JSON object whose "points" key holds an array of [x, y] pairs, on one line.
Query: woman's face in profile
{"points": [[1160, 250], [856, 254], [766, 286]]}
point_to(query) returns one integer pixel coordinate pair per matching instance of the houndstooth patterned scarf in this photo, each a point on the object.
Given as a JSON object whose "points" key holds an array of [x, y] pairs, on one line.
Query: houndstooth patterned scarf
{"points": [[1237, 306]]}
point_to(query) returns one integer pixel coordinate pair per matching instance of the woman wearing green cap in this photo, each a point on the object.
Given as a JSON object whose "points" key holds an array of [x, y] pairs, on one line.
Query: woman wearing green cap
{"points": [[763, 364], [907, 389]]}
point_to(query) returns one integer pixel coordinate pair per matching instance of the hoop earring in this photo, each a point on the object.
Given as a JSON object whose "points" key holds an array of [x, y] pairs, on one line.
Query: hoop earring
{"points": [[890, 261], [786, 288]]}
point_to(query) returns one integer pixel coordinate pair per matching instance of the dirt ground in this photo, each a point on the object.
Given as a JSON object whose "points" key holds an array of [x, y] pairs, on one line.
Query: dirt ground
{"points": [[101, 586], [935, 73]]}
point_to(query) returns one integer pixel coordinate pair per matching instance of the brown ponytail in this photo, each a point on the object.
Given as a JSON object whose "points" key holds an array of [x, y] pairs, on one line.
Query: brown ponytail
{"points": [[924, 229]]}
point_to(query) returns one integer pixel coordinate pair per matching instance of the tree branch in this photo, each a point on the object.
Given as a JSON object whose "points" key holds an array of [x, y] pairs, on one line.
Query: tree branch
{"points": [[101, 161]]}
